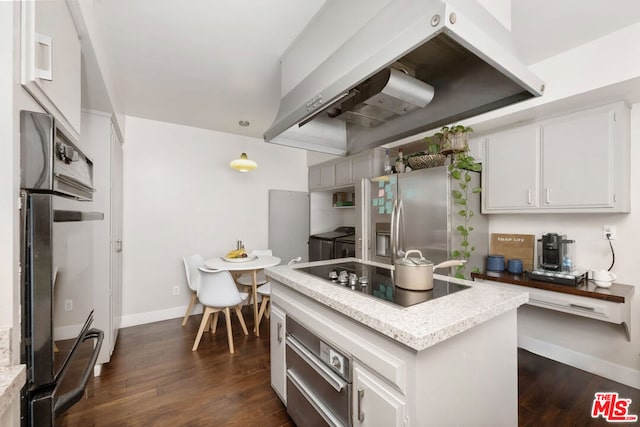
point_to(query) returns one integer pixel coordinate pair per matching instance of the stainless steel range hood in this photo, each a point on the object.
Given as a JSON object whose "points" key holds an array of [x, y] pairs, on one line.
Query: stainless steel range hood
{"points": [[456, 56]]}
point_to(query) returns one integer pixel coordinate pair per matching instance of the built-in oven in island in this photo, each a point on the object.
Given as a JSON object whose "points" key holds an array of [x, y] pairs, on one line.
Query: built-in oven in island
{"points": [[319, 379]]}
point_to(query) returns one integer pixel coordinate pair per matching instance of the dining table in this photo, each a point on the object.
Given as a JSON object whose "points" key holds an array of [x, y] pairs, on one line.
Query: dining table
{"points": [[251, 265]]}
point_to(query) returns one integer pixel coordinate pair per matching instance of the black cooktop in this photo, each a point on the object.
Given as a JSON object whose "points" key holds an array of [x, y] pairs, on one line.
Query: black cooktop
{"points": [[377, 282]]}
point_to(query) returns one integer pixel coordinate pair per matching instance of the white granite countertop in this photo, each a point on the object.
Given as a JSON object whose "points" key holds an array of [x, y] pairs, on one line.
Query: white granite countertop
{"points": [[419, 326], [12, 379]]}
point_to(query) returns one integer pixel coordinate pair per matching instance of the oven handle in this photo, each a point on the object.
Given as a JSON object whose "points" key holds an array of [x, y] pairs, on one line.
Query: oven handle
{"points": [[310, 397], [327, 374], [68, 399]]}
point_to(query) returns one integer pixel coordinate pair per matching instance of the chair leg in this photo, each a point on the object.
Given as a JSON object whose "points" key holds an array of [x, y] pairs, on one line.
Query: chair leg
{"points": [[214, 322], [192, 302], [267, 313], [227, 316], [203, 325], [241, 319], [263, 306]]}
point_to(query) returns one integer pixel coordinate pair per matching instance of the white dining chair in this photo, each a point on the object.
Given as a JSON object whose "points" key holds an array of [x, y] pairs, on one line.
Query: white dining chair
{"points": [[265, 293], [191, 265], [245, 281], [217, 291]]}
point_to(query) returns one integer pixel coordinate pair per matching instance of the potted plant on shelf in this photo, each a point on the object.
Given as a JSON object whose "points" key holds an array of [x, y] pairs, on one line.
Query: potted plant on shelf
{"points": [[460, 169], [430, 158], [454, 139]]}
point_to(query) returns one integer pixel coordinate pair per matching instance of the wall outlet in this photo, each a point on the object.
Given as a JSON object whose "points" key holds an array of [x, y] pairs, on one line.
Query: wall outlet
{"points": [[176, 290], [68, 305], [609, 229]]}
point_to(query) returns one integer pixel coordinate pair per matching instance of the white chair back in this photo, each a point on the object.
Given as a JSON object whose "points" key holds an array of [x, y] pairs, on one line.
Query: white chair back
{"points": [[218, 289], [295, 260], [191, 265]]}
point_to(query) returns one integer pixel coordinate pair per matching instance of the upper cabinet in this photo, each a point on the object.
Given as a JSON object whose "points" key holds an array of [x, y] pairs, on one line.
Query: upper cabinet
{"points": [[511, 169], [50, 60], [346, 171], [577, 162]]}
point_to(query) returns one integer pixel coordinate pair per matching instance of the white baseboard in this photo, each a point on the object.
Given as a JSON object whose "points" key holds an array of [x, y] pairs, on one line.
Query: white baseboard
{"points": [[70, 332], [156, 316], [603, 368]]}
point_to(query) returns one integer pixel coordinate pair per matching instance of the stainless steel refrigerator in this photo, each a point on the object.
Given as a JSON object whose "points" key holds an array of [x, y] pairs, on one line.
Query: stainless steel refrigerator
{"points": [[416, 210]]}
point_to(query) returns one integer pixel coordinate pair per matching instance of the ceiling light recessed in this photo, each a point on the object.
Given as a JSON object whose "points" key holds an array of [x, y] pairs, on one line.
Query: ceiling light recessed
{"points": [[243, 123]]}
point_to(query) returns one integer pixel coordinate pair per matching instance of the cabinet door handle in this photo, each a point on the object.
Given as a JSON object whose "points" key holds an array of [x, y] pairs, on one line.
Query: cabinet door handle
{"points": [[547, 195], [360, 397], [529, 199], [47, 43], [279, 333], [583, 307]]}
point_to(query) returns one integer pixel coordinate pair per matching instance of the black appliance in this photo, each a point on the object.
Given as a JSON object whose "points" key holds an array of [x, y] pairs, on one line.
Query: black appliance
{"points": [[345, 247], [56, 180], [553, 250], [322, 246], [556, 263], [377, 282]]}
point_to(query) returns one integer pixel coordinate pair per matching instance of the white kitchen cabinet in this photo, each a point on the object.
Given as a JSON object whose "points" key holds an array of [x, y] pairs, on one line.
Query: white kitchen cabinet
{"points": [[578, 158], [577, 162], [277, 328], [322, 176], [510, 176], [347, 171], [374, 402], [344, 172], [50, 60]]}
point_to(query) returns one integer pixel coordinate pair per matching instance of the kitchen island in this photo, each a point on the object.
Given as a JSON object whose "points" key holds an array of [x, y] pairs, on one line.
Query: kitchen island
{"points": [[448, 361]]}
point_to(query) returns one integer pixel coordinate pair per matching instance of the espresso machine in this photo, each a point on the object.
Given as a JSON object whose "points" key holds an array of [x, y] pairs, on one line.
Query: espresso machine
{"points": [[556, 261]]}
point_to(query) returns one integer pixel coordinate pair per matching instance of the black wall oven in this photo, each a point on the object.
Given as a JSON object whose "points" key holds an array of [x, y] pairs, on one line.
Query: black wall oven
{"points": [[56, 181]]}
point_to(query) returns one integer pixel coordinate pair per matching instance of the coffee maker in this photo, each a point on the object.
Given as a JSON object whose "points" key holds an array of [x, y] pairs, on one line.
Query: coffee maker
{"points": [[555, 254], [554, 249]]}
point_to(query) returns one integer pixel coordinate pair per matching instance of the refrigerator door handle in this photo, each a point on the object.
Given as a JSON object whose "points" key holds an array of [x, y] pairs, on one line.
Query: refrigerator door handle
{"points": [[399, 230], [393, 231]]}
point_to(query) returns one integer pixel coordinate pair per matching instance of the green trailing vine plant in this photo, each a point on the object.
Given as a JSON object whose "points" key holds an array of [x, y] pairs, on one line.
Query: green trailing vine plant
{"points": [[460, 169]]}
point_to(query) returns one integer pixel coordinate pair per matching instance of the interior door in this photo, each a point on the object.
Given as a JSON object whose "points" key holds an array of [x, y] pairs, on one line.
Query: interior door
{"points": [[116, 237], [289, 224]]}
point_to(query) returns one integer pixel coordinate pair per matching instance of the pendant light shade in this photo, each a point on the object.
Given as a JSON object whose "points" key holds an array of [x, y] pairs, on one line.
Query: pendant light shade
{"points": [[243, 164]]}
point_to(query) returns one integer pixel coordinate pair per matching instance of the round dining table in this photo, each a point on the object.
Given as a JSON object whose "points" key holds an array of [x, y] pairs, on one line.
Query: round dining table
{"points": [[251, 266]]}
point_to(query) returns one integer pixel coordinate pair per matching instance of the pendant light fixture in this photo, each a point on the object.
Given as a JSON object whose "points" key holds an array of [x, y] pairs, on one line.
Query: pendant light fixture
{"points": [[243, 164]]}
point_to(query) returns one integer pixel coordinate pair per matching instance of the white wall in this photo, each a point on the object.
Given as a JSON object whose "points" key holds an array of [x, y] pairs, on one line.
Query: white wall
{"points": [[13, 98], [181, 197], [589, 344], [7, 168], [324, 217]]}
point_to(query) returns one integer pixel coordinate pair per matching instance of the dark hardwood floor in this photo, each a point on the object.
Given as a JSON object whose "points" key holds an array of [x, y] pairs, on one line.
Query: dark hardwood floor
{"points": [[154, 379]]}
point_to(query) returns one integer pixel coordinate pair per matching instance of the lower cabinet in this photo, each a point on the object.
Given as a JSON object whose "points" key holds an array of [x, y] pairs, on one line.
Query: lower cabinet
{"points": [[278, 363], [374, 402]]}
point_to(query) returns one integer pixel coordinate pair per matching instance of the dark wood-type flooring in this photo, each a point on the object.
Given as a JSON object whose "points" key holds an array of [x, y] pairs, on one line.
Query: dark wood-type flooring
{"points": [[154, 379]]}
